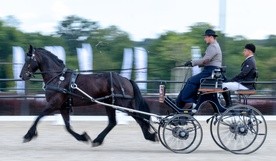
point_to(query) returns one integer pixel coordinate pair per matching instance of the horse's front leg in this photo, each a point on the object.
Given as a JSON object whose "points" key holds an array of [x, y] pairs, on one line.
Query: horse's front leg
{"points": [[66, 118], [32, 131], [111, 124]]}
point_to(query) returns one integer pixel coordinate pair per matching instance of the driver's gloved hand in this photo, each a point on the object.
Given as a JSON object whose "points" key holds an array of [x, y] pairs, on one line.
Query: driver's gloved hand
{"points": [[188, 64]]}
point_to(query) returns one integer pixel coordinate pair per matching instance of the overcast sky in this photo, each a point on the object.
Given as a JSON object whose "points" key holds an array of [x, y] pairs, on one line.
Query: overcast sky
{"points": [[254, 19]]}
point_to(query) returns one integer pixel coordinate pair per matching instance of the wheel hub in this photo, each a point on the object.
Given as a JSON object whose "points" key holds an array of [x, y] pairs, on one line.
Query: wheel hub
{"points": [[180, 133], [238, 129], [242, 130]]}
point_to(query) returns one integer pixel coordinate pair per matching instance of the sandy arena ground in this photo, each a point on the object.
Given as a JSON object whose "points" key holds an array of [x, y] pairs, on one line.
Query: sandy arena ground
{"points": [[124, 143]]}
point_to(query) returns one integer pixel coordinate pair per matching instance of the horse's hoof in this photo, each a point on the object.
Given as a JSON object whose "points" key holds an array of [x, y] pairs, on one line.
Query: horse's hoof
{"points": [[156, 138], [25, 140], [95, 144], [86, 137], [28, 137]]}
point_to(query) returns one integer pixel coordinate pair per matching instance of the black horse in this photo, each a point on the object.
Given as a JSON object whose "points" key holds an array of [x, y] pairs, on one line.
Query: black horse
{"points": [[107, 87]]}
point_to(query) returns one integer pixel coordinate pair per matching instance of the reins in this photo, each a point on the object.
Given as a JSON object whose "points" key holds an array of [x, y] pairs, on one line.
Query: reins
{"points": [[89, 71], [46, 72]]}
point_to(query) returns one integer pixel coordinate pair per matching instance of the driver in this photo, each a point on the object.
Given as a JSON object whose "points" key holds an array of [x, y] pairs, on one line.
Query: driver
{"points": [[210, 61]]}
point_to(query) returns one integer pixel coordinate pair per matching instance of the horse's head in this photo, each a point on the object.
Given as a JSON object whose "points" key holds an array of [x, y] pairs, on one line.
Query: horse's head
{"points": [[30, 65]]}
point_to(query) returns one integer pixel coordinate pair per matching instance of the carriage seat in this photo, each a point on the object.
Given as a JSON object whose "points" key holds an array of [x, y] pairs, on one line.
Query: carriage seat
{"points": [[249, 91], [213, 84], [211, 90], [246, 92]]}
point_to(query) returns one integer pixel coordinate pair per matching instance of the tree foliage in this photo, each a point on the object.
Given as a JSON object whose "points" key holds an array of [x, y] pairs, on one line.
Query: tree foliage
{"points": [[108, 45], [75, 30]]}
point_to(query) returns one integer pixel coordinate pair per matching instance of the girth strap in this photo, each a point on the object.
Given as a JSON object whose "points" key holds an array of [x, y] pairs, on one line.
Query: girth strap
{"points": [[112, 89], [113, 95], [74, 76]]}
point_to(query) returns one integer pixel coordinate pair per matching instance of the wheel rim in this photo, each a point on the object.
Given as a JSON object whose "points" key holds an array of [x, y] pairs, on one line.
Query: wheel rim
{"points": [[213, 131], [242, 129], [182, 134]]}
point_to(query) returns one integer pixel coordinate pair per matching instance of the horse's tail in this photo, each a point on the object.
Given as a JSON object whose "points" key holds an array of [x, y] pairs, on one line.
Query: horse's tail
{"points": [[140, 103]]}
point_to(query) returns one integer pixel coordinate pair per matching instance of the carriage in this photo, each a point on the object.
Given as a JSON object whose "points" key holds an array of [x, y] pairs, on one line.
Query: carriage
{"points": [[240, 128]]}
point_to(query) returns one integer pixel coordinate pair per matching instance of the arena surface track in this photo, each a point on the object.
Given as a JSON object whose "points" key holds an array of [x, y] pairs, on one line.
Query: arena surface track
{"points": [[124, 143]]}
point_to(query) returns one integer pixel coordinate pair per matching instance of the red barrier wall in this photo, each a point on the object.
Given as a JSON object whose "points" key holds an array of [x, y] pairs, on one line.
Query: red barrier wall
{"points": [[33, 106]]}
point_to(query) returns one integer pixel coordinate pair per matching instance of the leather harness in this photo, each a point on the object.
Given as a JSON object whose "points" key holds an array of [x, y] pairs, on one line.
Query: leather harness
{"points": [[70, 90]]}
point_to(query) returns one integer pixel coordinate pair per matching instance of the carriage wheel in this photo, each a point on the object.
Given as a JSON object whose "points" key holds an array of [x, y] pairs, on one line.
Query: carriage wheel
{"points": [[182, 133], [161, 128], [213, 131], [242, 129]]}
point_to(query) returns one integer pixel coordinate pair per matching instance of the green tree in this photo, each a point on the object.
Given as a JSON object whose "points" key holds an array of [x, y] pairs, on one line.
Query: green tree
{"points": [[172, 49], [9, 36], [164, 54], [11, 21], [75, 30], [108, 47]]}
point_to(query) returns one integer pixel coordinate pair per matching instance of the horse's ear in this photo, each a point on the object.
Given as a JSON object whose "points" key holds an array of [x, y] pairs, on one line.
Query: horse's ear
{"points": [[30, 52]]}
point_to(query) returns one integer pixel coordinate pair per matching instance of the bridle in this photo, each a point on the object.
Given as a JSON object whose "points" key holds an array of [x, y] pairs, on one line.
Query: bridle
{"points": [[29, 59]]}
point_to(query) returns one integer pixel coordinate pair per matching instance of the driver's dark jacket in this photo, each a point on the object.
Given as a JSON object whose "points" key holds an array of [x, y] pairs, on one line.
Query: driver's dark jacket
{"points": [[248, 73]]}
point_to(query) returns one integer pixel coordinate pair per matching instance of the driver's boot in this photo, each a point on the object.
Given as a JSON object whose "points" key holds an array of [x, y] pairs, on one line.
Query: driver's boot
{"points": [[227, 98]]}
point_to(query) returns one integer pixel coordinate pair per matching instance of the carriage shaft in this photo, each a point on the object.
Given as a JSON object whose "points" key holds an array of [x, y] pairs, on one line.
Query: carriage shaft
{"points": [[74, 86]]}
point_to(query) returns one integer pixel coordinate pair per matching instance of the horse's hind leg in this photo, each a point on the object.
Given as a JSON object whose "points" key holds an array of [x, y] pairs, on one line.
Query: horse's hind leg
{"points": [[111, 124], [66, 118], [142, 120]]}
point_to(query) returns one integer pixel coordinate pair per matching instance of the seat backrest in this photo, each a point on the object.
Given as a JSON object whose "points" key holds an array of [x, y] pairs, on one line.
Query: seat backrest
{"points": [[219, 73], [223, 69], [256, 75], [210, 83]]}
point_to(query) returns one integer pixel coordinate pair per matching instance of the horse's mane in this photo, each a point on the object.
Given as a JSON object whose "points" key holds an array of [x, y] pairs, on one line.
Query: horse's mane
{"points": [[53, 57]]}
